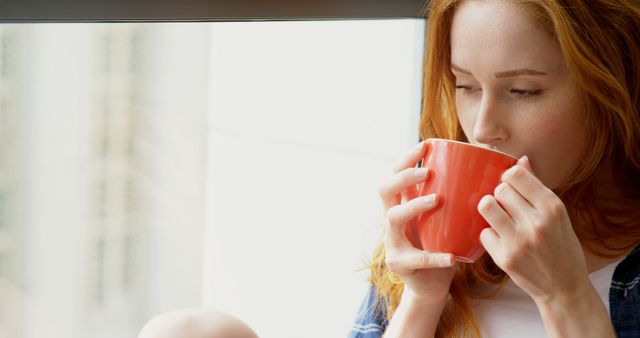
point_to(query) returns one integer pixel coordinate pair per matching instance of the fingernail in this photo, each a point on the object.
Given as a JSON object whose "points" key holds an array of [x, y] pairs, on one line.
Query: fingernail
{"points": [[421, 172], [429, 199], [523, 159]]}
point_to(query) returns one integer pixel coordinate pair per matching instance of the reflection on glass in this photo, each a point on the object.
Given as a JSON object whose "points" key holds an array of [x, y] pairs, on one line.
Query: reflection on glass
{"points": [[83, 154], [107, 132]]}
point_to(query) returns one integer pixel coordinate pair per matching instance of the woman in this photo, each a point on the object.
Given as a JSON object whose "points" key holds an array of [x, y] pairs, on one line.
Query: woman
{"points": [[557, 84]]}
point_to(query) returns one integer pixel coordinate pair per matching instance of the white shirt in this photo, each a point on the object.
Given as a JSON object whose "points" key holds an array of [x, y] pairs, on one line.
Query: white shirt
{"points": [[512, 313]]}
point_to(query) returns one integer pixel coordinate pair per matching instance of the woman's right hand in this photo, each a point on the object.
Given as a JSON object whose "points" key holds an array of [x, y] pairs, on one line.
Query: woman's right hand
{"points": [[426, 275]]}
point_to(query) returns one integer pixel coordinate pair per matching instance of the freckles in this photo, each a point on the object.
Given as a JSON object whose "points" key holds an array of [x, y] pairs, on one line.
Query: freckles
{"points": [[541, 121]]}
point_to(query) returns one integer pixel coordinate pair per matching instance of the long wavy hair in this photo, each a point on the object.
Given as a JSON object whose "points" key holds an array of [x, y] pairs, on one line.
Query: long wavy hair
{"points": [[600, 43]]}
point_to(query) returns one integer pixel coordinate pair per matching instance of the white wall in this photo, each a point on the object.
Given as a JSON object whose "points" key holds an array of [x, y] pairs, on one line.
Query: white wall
{"points": [[305, 120]]}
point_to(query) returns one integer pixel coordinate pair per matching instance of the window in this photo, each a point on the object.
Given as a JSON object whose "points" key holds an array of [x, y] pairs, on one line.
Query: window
{"points": [[146, 167]]}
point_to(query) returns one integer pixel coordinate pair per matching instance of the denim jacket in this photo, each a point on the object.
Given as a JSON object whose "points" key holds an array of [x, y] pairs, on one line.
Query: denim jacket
{"points": [[624, 304], [624, 296]]}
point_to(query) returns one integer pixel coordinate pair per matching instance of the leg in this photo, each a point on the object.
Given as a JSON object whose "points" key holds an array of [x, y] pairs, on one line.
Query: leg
{"points": [[196, 323]]}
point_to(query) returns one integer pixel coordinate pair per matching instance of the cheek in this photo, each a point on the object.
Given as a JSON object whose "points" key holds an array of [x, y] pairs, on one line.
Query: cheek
{"points": [[466, 116], [558, 149]]}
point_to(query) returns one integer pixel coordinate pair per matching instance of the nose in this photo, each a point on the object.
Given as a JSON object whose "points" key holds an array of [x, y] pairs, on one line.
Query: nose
{"points": [[490, 124]]}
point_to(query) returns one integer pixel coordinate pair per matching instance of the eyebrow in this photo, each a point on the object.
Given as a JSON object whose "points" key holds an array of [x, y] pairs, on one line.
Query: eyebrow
{"points": [[508, 73]]}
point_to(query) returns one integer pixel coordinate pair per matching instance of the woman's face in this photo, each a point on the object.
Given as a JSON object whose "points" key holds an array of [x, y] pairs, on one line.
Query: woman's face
{"points": [[513, 90]]}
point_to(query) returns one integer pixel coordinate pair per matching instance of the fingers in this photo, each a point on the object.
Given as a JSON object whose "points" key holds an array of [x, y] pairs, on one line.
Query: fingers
{"points": [[522, 179], [413, 259], [524, 161], [401, 214], [512, 202], [412, 158], [399, 196], [393, 191], [404, 181], [493, 213], [490, 241]]}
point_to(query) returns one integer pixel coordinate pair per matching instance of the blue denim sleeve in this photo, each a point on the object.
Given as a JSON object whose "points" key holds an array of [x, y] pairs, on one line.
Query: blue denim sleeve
{"points": [[624, 296], [371, 319]]}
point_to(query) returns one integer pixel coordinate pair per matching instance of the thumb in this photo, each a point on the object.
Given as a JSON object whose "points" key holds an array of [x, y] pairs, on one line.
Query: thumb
{"points": [[415, 259]]}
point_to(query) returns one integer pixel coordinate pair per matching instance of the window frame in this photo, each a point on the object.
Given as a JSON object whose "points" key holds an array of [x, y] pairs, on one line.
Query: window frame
{"points": [[24, 11]]}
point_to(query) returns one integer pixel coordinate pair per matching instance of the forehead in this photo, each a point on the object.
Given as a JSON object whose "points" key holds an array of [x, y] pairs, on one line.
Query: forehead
{"points": [[499, 34]]}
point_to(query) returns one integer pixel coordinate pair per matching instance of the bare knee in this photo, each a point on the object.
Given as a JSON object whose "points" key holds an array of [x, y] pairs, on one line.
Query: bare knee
{"points": [[196, 323]]}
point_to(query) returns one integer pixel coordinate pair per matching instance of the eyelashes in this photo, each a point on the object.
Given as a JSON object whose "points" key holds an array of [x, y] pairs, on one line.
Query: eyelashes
{"points": [[466, 89], [525, 93], [520, 93]]}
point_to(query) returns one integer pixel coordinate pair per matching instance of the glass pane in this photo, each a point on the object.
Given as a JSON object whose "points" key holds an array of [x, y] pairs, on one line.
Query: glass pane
{"points": [[157, 166], [101, 175]]}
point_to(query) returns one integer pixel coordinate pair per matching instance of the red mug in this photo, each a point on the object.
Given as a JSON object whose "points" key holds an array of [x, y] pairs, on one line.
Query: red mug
{"points": [[460, 174]]}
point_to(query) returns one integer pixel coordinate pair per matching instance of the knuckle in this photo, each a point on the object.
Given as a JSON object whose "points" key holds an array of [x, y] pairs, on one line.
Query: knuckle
{"points": [[555, 208], [541, 221], [420, 204], [403, 176], [539, 218], [496, 191], [391, 262], [511, 259], [500, 191], [538, 228], [407, 172], [401, 213], [393, 216], [509, 263], [518, 172], [421, 260], [539, 233], [514, 173], [537, 239], [414, 206], [383, 189], [408, 176]]}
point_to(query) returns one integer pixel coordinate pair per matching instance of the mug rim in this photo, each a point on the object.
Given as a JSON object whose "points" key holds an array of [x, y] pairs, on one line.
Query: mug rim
{"points": [[471, 145]]}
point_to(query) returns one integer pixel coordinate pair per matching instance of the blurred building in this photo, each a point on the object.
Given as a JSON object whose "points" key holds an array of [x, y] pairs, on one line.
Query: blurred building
{"points": [[90, 196], [150, 167]]}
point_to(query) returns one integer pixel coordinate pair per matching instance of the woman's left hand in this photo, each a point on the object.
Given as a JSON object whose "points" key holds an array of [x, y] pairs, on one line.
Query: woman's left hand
{"points": [[531, 237]]}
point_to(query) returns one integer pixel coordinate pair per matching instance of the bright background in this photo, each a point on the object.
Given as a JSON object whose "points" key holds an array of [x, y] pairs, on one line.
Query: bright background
{"points": [[152, 167]]}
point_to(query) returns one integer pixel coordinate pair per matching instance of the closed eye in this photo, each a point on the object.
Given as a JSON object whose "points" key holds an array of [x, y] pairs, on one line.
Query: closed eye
{"points": [[525, 93], [466, 89]]}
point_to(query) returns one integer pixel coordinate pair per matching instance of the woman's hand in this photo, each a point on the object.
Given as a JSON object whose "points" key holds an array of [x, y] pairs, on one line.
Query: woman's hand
{"points": [[426, 276], [531, 237]]}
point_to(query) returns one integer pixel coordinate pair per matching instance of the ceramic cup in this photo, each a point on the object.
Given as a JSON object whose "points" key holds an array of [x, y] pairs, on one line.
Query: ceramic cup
{"points": [[460, 174]]}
